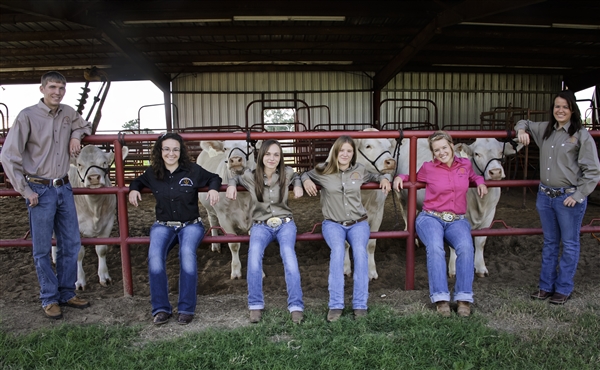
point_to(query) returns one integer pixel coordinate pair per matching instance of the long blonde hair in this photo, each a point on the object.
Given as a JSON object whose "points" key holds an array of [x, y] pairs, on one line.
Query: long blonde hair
{"points": [[332, 165]]}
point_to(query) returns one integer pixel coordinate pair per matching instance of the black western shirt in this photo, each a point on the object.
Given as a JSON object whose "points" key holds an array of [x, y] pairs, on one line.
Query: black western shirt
{"points": [[177, 194]]}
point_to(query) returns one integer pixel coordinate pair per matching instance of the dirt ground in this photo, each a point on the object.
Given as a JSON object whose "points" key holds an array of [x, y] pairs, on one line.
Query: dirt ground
{"points": [[513, 263]]}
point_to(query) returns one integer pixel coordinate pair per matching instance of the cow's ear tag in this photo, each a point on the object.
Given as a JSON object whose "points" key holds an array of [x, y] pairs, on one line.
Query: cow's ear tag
{"points": [[212, 152]]}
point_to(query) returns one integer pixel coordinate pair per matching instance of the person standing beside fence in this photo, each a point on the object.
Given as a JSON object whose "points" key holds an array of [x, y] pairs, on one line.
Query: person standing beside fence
{"points": [[272, 220], [174, 180], [341, 178], [443, 220], [569, 172], [35, 157]]}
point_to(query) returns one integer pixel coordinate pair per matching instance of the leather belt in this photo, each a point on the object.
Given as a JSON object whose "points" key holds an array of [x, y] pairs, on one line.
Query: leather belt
{"points": [[350, 223], [48, 182], [555, 192], [178, 224], [273, 222], [445, 216]]}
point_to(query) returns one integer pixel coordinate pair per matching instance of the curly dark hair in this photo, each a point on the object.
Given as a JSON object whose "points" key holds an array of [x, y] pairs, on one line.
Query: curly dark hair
{"points": [[156, 160], [576, 123]]}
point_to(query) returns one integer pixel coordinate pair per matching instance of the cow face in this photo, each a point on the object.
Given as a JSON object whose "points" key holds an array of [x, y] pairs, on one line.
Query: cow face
{"points": [[487, 156], [93, 166], [376, 154], [238, 156]]}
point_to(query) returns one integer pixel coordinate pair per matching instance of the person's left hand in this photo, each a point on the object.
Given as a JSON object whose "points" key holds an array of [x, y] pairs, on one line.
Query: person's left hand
{"points": [[298, 191], [482, 190], [213, 196], [569, 202], [74, 147], [385, 186]]}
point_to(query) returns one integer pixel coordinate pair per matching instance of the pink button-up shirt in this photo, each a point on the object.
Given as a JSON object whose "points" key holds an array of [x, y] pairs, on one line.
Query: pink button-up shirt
{"points": [[447, 187]]}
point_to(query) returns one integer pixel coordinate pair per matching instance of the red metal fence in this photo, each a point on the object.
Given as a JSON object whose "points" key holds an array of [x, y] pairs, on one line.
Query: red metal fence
{"points": [[124, 240]]}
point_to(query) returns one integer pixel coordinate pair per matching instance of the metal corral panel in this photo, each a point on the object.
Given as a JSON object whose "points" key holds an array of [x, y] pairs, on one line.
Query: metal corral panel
{"points": [[462, 97], [220, 99]]}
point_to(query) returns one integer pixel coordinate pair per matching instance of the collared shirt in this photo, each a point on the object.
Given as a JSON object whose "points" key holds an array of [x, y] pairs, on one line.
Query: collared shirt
{"points": [[565, 161], [270, 206], [340, 192], [446, 189], [177, 194], [38, 144]]}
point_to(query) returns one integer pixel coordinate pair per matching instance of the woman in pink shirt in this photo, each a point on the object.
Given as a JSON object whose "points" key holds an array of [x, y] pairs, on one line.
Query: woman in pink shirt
{"points": [[443, 220]]}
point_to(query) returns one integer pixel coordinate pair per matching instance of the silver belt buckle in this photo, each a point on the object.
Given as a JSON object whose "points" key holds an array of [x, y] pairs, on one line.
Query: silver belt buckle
{"points": [[447, 216], [56, 184], [273, 222], [174, 223]]}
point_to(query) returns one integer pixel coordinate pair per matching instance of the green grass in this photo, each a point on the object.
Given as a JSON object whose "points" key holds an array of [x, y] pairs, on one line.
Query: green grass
{"points": [[383, 340]]}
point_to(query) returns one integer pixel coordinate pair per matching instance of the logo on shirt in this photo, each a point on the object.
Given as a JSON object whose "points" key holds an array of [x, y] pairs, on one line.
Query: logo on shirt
{"points": [[67, 120], [186, 181], [355, 176], [572, 140], [461, 171]]}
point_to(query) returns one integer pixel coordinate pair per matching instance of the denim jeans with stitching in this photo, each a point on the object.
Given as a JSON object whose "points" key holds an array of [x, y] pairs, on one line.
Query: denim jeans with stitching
{"points": [[357, 236], [260, 237], [162, 240], [55, 212], [433, 232], [559, 223]]}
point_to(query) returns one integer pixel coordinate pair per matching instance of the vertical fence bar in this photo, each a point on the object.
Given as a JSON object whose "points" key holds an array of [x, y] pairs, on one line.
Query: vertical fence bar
{"points": [[123, 221]]}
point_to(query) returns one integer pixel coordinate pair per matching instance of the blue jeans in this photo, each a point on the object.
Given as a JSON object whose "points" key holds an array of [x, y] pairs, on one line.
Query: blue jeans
{"points": [[559, 223], [56, 213], [357, 236], [162, 240], [260, 237], [433, 232]]}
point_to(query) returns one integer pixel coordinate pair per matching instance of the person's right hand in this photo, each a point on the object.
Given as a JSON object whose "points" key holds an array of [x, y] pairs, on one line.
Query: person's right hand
{"points": [[523, 137], [231, 192], [134, 196], [398, 183], [310, 187], [33, 199]]}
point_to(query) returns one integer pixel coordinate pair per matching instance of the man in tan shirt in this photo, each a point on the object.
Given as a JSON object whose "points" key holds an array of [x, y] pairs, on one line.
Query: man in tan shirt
{"points": [[35, 157]]}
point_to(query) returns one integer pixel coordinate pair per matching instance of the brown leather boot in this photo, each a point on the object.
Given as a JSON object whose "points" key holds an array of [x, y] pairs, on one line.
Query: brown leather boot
{"points": [[464, 309], [443, 308]]}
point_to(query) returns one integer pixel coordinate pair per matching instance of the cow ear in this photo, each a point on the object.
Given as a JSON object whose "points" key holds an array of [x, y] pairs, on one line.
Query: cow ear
{"points": [[509, 150], [125, 150], [110, 156], [463, 150]]}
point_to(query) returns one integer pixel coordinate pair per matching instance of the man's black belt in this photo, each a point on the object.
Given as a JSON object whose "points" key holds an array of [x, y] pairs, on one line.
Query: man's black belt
{"points": [[555, 192], [48, 182]]}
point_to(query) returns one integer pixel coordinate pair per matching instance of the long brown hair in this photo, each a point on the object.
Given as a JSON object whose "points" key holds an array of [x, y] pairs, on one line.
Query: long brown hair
{"points": [[332, 165], [259, 172], [576, 123], [156, 160]]}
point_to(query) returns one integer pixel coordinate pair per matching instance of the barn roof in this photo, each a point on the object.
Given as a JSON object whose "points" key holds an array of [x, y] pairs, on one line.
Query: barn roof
{"points": [[162, 39]]}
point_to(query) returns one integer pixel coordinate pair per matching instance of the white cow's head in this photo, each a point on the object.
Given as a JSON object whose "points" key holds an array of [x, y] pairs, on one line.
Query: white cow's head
{"points": [[376, 154], [487, 156], [239, 156], [93, 166]]}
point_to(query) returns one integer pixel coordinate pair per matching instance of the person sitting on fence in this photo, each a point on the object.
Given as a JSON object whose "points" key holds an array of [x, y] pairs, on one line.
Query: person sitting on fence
{"points": [[272, 220], [443, 220], [174, 180], [341, 178]]}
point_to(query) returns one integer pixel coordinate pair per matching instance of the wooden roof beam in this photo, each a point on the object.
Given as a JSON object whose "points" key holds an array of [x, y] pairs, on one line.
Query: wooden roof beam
{"points": [[464, 11]]}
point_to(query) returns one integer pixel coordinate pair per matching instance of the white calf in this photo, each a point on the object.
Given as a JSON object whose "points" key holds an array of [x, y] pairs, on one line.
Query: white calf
{"points": [[227, 159], [95, 212]]}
